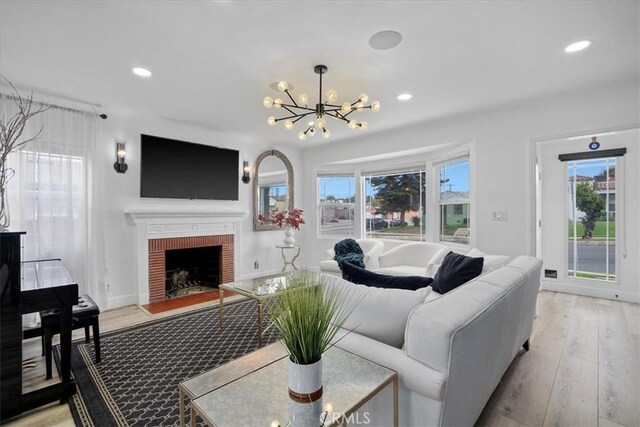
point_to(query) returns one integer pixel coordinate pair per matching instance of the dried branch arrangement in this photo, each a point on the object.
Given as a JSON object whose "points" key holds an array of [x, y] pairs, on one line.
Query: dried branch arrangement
{"points": [[12, 128]]}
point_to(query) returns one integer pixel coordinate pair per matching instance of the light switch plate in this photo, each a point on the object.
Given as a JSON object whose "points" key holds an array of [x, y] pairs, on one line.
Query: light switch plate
{"points": [[499, 216]]}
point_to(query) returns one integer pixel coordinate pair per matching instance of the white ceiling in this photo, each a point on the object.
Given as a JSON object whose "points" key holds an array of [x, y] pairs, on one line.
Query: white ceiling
{"points": [[213, 62]]}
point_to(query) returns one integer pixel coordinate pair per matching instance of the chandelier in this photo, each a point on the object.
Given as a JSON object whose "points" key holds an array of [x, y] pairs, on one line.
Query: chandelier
{"points": [[299, 110]]}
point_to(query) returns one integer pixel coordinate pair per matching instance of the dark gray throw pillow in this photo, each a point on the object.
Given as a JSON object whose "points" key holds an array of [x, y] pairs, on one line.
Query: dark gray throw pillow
{"points": [[361, 276], [456, 270]]}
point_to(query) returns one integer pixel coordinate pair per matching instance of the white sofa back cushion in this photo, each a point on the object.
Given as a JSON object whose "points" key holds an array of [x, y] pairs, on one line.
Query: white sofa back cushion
{"points": [[382, 313], [417, 254], [491, 262]]}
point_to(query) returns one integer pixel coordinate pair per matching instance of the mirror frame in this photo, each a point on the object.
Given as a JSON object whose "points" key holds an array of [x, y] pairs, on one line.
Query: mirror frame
{"points": [[257, 225]]}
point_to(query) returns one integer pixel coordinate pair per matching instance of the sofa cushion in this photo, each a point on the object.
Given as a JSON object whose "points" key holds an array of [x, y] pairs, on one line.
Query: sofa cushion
{"points": [[381, 314], [329, 265], [361, 276], [455, 270], [491, 262], [434, 263]]}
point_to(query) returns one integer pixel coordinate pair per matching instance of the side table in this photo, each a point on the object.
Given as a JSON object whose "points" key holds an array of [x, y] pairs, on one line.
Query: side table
{"points": [[283, 250]]}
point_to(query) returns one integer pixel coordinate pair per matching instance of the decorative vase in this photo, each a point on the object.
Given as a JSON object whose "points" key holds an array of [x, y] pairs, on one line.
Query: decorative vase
{"points": [[5, 219], [288, 237], [305, 381]]}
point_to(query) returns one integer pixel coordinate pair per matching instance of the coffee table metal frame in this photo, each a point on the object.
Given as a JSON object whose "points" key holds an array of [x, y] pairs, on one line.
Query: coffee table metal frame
{"points": [[240, 287]]}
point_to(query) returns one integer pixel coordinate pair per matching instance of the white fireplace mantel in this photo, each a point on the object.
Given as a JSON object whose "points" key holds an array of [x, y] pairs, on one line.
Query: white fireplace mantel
{"points": [[161, 223], [153, 216]]}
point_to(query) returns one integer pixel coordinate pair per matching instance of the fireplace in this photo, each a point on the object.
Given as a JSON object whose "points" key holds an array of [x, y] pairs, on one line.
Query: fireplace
{"points": [[180, 265], [191, 270]]}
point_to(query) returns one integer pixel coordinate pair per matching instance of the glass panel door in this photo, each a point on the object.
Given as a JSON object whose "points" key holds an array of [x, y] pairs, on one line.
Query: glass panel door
{"points": [[591, 219]]}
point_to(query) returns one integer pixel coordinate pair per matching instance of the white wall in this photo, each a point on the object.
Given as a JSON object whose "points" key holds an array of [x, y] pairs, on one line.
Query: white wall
{"points": [[503, 175], [122, 193]]}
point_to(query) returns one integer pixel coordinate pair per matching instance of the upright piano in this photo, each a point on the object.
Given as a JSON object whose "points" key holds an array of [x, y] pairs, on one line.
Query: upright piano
{"points": [[30, 288]]}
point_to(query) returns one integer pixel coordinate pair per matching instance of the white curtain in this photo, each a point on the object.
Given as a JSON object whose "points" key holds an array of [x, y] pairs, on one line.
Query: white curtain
{"points": [[54, 195]]}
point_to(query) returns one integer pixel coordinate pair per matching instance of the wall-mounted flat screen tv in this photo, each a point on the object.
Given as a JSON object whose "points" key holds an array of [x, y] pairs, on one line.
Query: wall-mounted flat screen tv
{"points": [[183, 170]]}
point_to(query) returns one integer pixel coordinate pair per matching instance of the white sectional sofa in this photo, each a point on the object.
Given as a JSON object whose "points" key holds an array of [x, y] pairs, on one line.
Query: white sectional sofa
{"points": [[449, 352], [412, 259]]}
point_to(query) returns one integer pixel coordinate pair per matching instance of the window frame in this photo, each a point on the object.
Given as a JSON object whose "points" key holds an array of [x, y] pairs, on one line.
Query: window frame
{"points": [[318, 205], [438, 204], [397, 169]]}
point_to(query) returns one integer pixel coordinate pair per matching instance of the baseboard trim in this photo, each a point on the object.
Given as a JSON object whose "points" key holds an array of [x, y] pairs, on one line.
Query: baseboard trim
{"points": [[606, 293], [121, 301]]}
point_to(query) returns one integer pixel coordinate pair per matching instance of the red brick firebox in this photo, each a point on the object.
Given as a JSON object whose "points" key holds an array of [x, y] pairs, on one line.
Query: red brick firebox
{"points": [[157, 248]]}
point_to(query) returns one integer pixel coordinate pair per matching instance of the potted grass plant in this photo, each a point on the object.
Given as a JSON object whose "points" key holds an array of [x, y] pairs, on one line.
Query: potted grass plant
{"points": [[308, 314]]}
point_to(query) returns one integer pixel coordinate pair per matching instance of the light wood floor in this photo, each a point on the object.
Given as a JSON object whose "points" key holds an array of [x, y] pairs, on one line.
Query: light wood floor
{"points": [[583, 368]]}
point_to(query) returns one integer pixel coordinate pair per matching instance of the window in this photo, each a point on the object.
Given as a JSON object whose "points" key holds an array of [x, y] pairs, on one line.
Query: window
{"points": [[454, 201], [336, 203], [394, 205]]}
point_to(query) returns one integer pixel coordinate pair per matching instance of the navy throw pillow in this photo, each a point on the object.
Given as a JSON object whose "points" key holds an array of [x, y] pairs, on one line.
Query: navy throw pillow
{"points": [[456, 270], [361, 276]]}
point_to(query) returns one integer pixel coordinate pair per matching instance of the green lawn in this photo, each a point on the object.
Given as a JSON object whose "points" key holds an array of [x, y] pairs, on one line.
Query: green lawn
{"points": [[599, 232], [406, 229]]}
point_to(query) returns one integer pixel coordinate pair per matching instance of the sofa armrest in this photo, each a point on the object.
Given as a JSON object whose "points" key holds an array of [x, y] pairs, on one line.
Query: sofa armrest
{"points": [[329, 254], [412, 374], [371, 258]]}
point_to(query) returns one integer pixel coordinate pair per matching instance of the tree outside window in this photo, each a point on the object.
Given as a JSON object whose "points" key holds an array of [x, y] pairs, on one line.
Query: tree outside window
{"points": [[394, 206]]}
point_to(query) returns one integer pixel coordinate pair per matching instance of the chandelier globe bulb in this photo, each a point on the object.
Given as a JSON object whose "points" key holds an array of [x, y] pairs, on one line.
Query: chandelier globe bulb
{"points": [[326, 133], [277, 103], [345, 107], [352, 124], [271, 120], [303, 99], [302, 136], [283, 86], [364, 125], [320, 122], [288, 124], [375, 106], [267, 101], [363, 98], [332, 96]]}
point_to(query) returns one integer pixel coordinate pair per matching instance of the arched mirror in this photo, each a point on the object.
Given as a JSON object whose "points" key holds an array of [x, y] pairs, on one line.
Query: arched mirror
{"points": [[272, 187]]}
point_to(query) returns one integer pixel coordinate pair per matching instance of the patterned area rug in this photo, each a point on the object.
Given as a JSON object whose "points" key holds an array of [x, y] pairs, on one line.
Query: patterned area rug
{"points": [[136, 384]]}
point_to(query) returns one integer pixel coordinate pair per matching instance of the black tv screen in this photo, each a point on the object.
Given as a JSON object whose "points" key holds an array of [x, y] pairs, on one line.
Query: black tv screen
{"points": [[184, 170]]}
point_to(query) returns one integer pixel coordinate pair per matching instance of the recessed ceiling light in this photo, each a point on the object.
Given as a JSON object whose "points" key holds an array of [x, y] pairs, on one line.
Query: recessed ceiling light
{"points": [[385, 40], [405, 96], [577, 46], [142, 72]]}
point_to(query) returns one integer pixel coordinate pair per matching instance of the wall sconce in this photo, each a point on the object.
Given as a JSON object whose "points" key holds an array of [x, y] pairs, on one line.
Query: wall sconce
{"points": [[120, 166], [245, 172]]}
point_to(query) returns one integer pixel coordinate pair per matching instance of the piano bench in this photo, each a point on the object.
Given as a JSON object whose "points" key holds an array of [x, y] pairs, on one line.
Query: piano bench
{"points": [[84, 315]]}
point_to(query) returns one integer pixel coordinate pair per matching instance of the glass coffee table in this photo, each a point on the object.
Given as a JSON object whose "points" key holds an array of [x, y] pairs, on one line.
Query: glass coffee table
{"points": [[253, 391], [259, 289]]}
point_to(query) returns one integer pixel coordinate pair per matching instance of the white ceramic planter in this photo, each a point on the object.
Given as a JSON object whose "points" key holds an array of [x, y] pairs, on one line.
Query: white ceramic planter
{"points": [[305, 381]]}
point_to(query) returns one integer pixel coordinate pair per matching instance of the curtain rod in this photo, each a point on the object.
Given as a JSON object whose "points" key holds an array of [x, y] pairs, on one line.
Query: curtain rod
{"points": [[59, 107]]}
